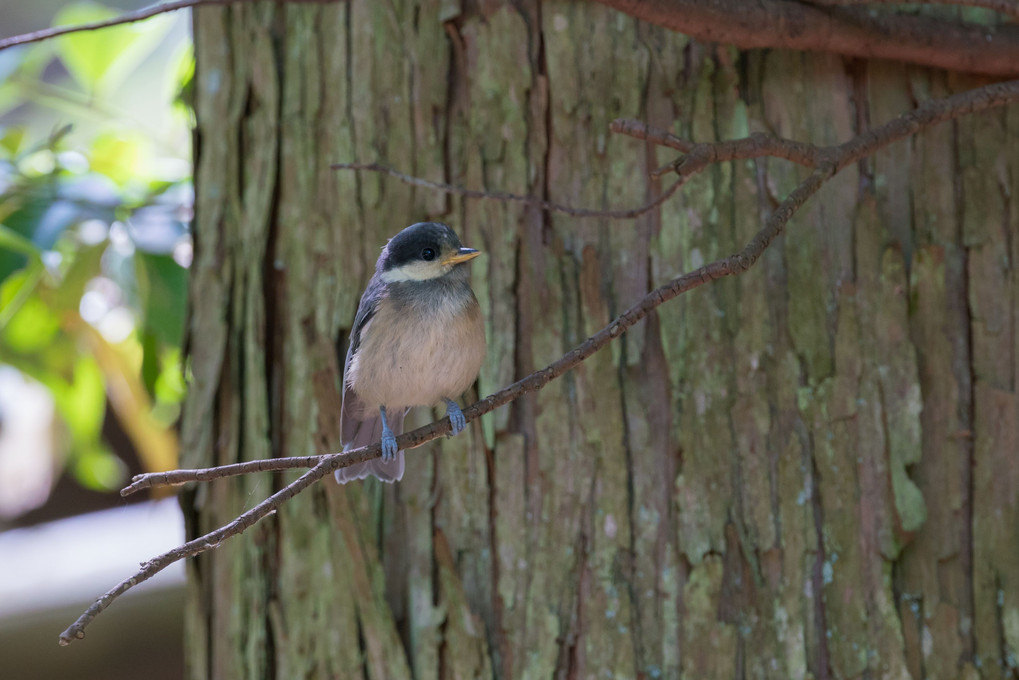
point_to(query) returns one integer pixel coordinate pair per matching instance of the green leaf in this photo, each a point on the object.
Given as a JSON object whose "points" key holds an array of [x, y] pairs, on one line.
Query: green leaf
{"points": [[12, 139], [119, 155], [162, 287], [85, 265], [150, 361], [170, 386], [82, 402], [12, 240], [26, 210], [27, 323], [181, 70], [103, 58], [25, 61]]}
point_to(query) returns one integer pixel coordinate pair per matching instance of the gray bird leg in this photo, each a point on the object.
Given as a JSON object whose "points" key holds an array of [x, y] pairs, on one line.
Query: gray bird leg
{"points": [[456, 417], [388, 438]]}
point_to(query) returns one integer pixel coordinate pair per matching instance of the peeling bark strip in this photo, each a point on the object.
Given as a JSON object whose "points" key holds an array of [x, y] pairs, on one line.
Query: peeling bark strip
{"points": [[804, 469]]}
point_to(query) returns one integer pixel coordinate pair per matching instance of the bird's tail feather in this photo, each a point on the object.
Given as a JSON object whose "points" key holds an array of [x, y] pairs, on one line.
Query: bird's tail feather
{"points": [[369, 431]]}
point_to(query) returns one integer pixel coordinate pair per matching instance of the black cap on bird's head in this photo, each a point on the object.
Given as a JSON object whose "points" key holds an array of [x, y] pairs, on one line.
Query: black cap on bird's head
{"points": [[422, 251]]}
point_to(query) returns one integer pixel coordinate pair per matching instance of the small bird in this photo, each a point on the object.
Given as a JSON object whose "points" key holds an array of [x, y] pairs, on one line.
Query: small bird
{"points": [[418, 339]]}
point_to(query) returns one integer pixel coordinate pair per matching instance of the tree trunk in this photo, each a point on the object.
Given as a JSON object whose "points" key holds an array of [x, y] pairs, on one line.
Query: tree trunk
{"points": [[810, 469]]}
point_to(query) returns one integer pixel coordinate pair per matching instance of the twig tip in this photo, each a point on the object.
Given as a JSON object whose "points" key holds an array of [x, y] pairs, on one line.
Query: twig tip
{"points": [[70, 635]]}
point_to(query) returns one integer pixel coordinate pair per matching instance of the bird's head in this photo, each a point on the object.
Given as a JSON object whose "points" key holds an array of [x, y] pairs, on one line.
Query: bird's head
{"points": [[421, 252]]}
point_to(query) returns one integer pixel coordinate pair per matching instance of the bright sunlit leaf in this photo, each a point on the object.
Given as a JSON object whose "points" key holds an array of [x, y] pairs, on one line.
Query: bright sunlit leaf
{"points": [[102, 59], [82, 402], [170, 385], [181, 83], [118, 155], [12, 139], [28, 323]]}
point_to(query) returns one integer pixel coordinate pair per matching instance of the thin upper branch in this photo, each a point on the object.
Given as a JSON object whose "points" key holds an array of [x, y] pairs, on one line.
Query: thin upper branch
{"points": [[621, 214], [126, 18], [826, 161], [699, 155]]}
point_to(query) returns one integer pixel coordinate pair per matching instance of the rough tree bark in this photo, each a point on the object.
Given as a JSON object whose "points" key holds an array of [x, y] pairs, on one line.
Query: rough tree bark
{"points": [[808, 470]]}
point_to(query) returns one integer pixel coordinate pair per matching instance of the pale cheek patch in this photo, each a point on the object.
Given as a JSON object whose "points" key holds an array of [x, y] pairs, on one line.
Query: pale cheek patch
{"points": [[415, 271]]}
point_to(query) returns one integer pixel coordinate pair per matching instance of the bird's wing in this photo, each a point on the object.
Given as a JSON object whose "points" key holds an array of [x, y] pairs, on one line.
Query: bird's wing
{"points": [[359, 425], [366, 309], [353, 410]]}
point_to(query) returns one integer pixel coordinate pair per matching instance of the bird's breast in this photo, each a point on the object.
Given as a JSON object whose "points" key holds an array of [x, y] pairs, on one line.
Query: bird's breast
{"points": [[417, 352]]}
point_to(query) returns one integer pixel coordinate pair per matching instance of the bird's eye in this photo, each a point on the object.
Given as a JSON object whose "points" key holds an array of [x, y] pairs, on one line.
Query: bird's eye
{"points": [[428, 254]]}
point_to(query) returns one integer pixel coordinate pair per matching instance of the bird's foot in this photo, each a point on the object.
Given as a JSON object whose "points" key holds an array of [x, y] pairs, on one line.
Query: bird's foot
{"points": [[389, 447], [457, 421]]}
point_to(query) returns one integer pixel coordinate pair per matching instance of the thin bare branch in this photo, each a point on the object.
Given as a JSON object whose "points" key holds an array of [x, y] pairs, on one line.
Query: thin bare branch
{"points": [[147, 480], [76, 631], [656, 135], [698, 155], [623, 214], [759, 144], [126, 18], [863, 145]]}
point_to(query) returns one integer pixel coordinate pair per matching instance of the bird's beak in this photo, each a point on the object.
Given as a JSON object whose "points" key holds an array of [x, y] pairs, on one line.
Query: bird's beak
{"points": [[462, 255]]}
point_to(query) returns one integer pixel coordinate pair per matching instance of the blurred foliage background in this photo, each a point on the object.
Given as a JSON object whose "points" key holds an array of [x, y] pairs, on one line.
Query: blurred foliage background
{"points": [[95, 202]]}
